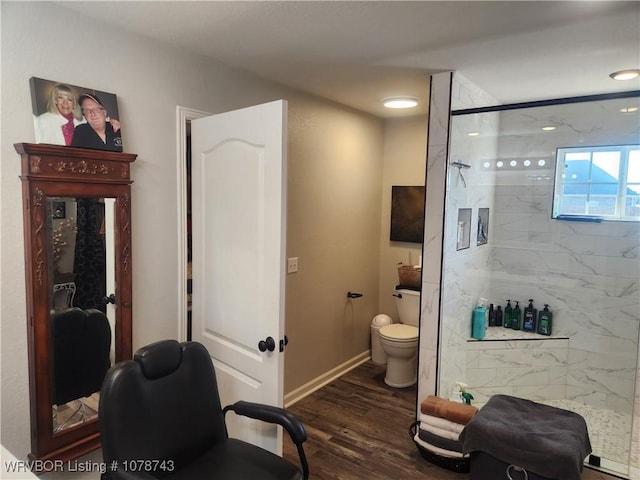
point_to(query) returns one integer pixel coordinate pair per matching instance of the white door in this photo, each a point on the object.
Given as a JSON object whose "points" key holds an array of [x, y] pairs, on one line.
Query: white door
{"points": [[239, 230]]}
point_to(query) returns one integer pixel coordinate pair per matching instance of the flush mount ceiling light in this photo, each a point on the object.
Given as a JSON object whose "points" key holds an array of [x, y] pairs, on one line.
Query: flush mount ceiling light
{"points": [[625, 74], [400, 102]]}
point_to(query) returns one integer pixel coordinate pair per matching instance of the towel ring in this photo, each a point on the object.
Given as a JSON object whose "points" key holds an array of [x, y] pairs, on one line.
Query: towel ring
{"points": [[517, 469]]}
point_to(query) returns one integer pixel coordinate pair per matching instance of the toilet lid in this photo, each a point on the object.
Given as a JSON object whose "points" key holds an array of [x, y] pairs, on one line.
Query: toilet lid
{"points": [[399, 332]]}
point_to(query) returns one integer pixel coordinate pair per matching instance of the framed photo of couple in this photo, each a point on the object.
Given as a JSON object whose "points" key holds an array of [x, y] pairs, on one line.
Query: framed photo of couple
{"points": [[65, 114]]}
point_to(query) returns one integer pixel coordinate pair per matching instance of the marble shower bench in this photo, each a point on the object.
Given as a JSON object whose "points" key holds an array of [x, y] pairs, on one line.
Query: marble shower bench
{"points": [[518, 363]]}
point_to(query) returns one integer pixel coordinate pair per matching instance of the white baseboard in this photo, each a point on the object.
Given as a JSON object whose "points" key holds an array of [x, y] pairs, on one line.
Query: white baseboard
{"points": [[319, 382]]}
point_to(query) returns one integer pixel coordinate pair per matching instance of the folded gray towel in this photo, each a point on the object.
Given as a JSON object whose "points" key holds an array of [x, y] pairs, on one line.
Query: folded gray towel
{"points": [[548, 441]]}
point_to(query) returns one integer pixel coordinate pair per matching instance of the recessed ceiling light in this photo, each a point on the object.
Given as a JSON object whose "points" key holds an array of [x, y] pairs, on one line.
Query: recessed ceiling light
{"points": [[400, 102], [629, 109], [548, 128], [625, 74], [473, 134]]}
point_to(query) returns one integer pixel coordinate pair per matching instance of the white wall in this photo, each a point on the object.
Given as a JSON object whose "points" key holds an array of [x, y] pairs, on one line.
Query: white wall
{"points": [[405, 160]]}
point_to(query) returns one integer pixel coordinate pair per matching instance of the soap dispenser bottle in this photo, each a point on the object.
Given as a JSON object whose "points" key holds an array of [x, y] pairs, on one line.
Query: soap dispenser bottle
{"points": [[508, 313], [530, 318], [499, 315], [492, 316], [544, 321], [479, 322], [516, 318]]}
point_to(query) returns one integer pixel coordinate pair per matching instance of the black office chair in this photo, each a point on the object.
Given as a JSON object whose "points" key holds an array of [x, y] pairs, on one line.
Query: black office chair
{"points": [[160, 417]]}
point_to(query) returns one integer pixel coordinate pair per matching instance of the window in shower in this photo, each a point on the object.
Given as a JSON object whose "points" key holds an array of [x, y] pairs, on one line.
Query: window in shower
{"points": [[601, 182]]}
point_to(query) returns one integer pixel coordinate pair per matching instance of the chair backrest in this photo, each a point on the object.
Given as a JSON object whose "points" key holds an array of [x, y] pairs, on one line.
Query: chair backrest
{"points": [[162, 405], [81, 353]]}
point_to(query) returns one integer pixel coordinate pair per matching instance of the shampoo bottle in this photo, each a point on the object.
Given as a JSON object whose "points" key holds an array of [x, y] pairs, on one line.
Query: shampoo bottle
{"points": [[530, 318], [508, 313], [492, 316], [499, 316], [479, 322], [516, 318], [544, 321]]}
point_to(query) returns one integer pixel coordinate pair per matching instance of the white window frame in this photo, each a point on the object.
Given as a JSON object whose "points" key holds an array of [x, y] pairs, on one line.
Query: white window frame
{"points": [[624, 151]]}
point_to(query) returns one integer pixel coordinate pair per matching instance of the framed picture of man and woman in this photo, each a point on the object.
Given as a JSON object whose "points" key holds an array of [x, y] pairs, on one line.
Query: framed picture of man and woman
{"points": [[65, 114]]}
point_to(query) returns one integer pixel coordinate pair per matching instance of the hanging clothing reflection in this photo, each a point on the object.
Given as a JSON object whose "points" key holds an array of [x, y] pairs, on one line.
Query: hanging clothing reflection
{"points": [[90, 255]]}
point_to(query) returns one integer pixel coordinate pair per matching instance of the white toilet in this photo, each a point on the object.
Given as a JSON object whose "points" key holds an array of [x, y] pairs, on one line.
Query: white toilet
{"points": [[400, 340]]}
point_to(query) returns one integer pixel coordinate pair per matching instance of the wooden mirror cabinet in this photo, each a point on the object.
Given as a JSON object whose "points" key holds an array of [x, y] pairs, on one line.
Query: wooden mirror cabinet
{"points": [[77, 234]]}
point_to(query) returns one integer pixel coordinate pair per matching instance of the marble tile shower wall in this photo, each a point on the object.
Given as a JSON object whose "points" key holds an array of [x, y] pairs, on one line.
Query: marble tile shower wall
{"points": [[531, 369], [538, 235], [465, 274], [586, 272]]}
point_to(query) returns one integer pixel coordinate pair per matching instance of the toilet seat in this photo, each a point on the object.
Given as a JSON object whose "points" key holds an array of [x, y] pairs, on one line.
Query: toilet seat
{"points": [[398, 332]]}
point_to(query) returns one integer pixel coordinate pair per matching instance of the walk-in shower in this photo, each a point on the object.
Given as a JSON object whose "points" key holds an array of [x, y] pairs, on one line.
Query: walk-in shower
{"points": [[556, 187]]}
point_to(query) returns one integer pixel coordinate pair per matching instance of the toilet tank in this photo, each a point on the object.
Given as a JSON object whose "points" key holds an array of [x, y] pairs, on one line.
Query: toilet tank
{"points": [[408, 306]]}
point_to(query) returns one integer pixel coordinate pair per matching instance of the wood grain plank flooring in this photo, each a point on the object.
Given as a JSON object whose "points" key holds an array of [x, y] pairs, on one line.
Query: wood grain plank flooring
{"points": [[358, 429]]}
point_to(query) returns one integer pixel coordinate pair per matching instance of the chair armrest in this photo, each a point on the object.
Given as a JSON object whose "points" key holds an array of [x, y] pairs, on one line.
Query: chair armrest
{"points": [[271, 414], [277, 415]]}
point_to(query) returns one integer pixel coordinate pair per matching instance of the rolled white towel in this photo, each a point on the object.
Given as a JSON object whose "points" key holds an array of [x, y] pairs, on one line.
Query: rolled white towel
{"points": [[441, 432], [440, 423]]}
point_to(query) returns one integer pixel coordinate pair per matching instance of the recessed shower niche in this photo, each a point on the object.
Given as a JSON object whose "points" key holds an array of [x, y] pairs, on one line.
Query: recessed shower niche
{"points": [[463, 232]]}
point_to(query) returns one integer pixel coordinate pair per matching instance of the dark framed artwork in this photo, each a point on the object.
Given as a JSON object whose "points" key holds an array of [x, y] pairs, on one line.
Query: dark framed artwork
{"points": [[483, 226], [65, 114], [407, 214]]}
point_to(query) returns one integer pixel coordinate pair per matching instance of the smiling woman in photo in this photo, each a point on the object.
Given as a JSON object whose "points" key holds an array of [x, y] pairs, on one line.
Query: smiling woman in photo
{"points": [[57, 124]]}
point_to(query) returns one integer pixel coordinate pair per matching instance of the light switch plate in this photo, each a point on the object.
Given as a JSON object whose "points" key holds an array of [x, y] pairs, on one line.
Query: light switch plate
{"points": [[292, 265]]}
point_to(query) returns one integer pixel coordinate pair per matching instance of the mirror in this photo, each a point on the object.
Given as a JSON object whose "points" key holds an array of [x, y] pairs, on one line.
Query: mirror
{"points": [[77, 226], [81, 241]]}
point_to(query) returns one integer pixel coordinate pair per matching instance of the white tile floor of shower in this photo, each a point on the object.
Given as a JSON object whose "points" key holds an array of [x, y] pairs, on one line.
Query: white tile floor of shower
{"points": [[609, 433]]}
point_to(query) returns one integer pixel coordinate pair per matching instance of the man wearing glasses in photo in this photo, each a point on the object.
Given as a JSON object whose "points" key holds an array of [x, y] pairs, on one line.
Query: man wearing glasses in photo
{"points": [[99, 132]]}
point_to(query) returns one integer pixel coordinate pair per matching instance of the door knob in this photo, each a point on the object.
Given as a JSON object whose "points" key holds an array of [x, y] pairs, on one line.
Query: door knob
{"points": [[110, 299], [283, 343], [267, 344]]}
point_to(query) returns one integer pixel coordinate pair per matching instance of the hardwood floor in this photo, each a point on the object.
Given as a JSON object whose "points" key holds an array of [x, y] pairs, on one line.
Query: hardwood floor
{"points": [[358, 428]]}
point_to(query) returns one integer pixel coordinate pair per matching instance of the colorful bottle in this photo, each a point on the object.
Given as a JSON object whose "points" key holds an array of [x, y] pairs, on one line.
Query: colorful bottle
{"points": [[499, 316], [530, 319], [508, 313], [544, 321], [479, 322], [492, 316], [516, 318]]}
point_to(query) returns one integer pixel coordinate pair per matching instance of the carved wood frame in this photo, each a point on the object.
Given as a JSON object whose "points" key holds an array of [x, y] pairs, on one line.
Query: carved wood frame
{"points": [[59, 171]]}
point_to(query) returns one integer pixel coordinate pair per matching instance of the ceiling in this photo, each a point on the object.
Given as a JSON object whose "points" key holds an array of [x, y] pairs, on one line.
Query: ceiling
{"points": [[357, 53]]}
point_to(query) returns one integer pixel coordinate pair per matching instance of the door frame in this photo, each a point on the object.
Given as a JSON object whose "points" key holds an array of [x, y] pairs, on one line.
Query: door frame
{"points": [[184, 115]]}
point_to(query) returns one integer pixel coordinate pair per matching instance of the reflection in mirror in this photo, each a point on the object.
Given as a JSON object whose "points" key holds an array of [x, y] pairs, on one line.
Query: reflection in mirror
{"points": [[82, 273]]}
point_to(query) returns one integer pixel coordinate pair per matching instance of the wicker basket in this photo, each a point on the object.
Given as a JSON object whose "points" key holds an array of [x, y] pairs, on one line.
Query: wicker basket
{"points": [[460, 465], [409, 276]]}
